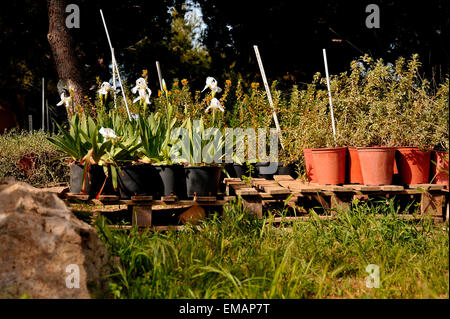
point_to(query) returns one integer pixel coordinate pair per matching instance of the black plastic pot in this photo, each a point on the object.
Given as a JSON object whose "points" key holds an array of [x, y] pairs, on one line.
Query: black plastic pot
{"points": [[202, 180], [170, 180], [290, 169], [94, 179], [136, 180], [236, 170], [264, 171]]}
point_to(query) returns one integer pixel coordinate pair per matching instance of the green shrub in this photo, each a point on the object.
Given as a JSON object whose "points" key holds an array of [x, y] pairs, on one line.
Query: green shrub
{"points": [[31, 158]]}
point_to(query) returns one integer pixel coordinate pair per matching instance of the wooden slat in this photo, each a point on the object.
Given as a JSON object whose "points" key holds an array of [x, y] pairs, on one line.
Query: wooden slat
{"points": [[231, 179], [364, 188], [426, 186], [141, 198], [246, 191], [108, 198], [171, 198], [336, 188], [270, 187], [283, 178], [392, 188], [299, 186], [243, 189], [276, 190], [205, 198], [77, 196]]}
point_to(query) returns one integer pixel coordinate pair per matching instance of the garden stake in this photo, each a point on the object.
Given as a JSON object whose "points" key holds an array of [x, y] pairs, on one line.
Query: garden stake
{"points": [[158, 69], [46, 113], [329, 93], [269, 95], [114, 78], [115, 64]]}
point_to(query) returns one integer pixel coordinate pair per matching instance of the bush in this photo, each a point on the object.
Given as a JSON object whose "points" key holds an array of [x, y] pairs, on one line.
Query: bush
{"points": [[31, 158]]}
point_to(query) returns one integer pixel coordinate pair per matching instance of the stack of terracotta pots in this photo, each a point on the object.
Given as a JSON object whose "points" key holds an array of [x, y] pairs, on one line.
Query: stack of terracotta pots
{"points": [[376, 165]]}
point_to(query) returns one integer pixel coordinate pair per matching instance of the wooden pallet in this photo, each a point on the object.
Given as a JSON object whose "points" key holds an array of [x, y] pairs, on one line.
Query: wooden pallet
{"points": [[259, 192], [433, 197], [142, 207]]}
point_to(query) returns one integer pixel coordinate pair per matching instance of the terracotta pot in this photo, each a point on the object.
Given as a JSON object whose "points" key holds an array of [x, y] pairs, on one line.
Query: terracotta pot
{"points": [[377, 164], [354, 174], [309, 164], [413, 165], [329, 165], [439, 171]]}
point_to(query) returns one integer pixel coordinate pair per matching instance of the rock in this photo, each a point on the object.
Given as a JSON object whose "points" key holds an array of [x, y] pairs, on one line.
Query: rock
{"points": [[43, 246]]}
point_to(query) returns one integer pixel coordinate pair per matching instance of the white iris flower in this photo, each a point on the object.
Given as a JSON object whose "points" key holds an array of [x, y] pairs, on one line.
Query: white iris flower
{"points": [[212, 84], [66, 99], [143, 90], [104, 89], [215, 104], [107, 133]]}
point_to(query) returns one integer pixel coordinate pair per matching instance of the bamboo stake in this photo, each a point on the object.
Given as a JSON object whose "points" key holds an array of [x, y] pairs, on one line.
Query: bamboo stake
{"points": [[114, 78], [158, 69], [115, 63], [329, 93], [46, 111], [269, 95]]}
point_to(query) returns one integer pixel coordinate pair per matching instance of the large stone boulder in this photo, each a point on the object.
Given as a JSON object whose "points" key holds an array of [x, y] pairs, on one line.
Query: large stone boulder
{"points": [[43, 247]]}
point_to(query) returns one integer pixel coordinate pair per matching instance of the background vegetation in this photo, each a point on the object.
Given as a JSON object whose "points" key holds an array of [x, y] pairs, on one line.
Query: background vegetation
{"points": [[290, 35], [31, 158]]}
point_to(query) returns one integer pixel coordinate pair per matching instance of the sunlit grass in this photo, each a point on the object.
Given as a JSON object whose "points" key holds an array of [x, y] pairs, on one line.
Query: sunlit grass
{"points": [[242, 257]]}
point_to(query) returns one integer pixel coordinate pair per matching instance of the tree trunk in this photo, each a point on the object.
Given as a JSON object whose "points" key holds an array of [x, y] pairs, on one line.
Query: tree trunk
{"points": [[61, 43]]}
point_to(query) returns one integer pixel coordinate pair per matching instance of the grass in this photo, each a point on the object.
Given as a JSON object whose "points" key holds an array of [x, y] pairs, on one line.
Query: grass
{"points": [[30, 157], [242, 257]]}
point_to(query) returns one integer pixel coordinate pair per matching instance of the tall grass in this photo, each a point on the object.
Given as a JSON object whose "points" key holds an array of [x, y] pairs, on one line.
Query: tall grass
{"points": [[242, 257], [30, 157]]}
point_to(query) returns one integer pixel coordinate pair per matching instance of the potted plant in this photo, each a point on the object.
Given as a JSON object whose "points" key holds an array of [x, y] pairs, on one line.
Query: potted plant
{"points": [[202, 161], [81, 145], [155, 132], [129, 176], [439, 173], [324, 158]]}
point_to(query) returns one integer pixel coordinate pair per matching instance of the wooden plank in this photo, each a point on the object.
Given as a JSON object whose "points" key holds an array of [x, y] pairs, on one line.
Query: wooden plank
{"points": [[283, 178], [363, 188], [243, 189], [432, 204], [141, 216], [83, 197], [271, 187], [246, 191], [139, 198], [205, 198], [108, 198], [299, 186], [447, 213], [427, 187], [336, 188], [171, 198], [227, 180], [340, 202], [253, 204], [276, 190], [392, 188]]}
